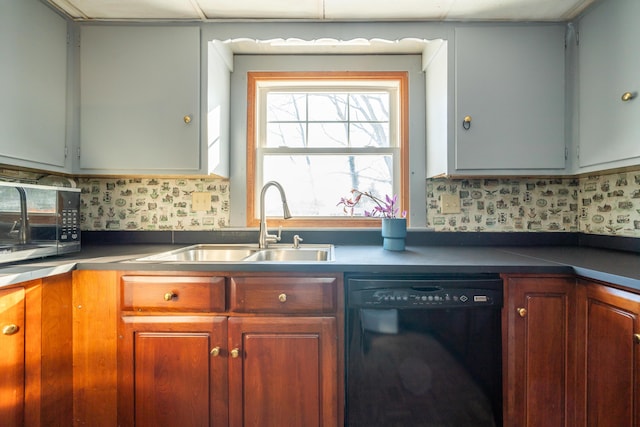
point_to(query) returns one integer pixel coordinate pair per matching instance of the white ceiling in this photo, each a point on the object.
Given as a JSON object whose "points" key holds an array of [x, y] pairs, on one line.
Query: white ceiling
{"points": [[323, 10]]}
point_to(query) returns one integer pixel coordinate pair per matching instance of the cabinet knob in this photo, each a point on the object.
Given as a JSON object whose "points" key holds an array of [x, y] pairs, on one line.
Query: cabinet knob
{"points": [[215, 351], [282, 297], [170, 295], [636, 338], [627, 96], [235, 353], [466, 123], [522, 312], [187, 119], [10, 329]]}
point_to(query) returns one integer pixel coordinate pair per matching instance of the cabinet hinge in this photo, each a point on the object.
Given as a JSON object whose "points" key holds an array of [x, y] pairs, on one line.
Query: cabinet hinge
{"points": [[78, 152], [66, 151], [566, 153], [578, 152]]}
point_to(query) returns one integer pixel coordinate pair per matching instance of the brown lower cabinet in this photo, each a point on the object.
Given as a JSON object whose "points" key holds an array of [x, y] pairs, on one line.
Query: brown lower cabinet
{"points": [[35, 353], [270, 360], [539, 354], [608, 356], [571, 353], [12, 344]]}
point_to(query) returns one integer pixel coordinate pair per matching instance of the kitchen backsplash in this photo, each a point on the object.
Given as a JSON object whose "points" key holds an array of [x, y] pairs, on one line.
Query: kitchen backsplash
{"points": [[598, 204], [607, 204], [151, 204]]}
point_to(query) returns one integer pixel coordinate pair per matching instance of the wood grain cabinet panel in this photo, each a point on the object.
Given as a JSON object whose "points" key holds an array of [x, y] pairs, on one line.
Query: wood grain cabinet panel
{"points": [[285, 372], [283, 294], [173, 371], [173, 293], [540, 324], [609, 357], [187, 361], [12, 341]]}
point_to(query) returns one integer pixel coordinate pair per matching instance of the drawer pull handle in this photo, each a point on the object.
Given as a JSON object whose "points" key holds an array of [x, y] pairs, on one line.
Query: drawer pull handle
{"points": [[235, 353], [10, 329], [636, 338], [215, 351], [522, 312], [282, 297], [170, 295], [627, 96]]}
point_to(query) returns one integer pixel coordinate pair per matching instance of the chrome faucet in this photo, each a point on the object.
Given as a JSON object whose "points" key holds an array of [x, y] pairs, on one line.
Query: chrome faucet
{"points": [[266, 238]]}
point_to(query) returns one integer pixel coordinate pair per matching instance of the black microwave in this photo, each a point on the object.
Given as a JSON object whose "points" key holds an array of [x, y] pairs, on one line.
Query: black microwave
{"points": [[38, 221]]}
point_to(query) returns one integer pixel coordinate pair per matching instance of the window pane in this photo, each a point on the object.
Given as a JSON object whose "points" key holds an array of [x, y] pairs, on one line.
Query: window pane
{"points": [[285, 135], [328, 135], [328, 107], [286, 107], [369, 135], [369, 107], [315, 184]]}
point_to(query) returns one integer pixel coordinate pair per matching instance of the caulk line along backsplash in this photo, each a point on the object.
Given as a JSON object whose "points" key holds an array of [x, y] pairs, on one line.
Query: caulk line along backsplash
{"points": [[598, 204]]}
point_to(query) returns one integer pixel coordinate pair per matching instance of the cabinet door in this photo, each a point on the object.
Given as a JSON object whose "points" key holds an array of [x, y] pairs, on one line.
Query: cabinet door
{"points": [[609, 66], [539, 317], [610, 357], [510, 81], [33, 84], [173, 372], [284, 372], [140, 99], [12, 367]]}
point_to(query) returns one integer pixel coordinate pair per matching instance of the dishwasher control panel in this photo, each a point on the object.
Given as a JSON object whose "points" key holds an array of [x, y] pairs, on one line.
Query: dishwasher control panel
{"points": [[423, 293]]}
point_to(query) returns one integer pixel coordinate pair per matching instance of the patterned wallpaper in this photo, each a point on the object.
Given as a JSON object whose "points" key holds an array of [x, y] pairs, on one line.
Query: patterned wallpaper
{"points": [[598, 204], [151, 204], [606, 204]]}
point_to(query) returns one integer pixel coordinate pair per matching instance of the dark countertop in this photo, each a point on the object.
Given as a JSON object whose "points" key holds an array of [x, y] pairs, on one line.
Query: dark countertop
{"points": [[616, 267]]}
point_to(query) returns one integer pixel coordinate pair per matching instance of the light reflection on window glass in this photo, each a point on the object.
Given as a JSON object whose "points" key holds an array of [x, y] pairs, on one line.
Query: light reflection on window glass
{"points": [[314, 184]]}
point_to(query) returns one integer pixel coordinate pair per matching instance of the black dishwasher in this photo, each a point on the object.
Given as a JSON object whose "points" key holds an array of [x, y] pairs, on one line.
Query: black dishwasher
{"points": [[423, 351]]}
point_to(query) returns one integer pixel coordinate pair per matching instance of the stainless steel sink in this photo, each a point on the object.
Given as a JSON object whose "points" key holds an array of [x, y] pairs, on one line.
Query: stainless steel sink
{"points": [[243, 253], [204, 253], [292, 255]]}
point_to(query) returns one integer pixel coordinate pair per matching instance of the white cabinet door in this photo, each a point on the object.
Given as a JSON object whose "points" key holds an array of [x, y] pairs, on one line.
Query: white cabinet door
{"points": [[33, 85], [510, 81], [140, 99], [608, 66]]}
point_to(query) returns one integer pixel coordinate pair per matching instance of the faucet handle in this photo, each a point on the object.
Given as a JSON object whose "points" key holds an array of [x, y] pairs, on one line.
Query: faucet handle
{"points": [[296, 241], [279, 233]]}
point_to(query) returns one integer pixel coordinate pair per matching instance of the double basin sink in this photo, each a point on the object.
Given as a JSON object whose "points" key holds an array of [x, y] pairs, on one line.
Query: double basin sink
{"points": [[207, 253]]}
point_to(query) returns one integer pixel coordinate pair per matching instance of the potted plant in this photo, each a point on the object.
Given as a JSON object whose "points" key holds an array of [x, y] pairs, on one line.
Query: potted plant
{"points": [[394, 222]]}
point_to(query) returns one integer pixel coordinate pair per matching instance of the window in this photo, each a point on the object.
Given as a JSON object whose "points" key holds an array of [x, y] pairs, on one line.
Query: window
{"points": [[321, 135]]}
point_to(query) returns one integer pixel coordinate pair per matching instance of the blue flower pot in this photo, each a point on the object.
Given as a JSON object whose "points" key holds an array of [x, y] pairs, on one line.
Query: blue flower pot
{"points": [[394, 231]]}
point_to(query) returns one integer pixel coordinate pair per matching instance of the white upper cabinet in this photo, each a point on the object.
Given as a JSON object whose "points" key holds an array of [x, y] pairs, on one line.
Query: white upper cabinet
{"points": [[509, 82], [33, 86], [139, 100], [608, 67]]}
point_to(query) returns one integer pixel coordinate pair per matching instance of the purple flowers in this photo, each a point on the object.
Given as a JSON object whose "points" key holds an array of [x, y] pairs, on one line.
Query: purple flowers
{"points": [[387, 208]]}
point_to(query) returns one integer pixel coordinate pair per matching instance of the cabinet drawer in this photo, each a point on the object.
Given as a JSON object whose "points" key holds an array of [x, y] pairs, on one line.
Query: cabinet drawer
{"points": [[283, 294], [189, 294]]}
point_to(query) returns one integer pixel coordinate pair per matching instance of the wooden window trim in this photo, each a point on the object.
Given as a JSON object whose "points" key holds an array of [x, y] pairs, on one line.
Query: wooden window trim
{"points": [[254, 77]]}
